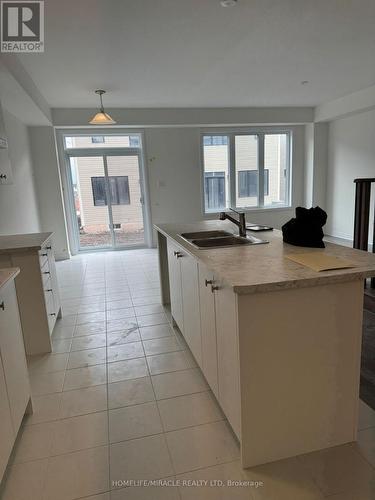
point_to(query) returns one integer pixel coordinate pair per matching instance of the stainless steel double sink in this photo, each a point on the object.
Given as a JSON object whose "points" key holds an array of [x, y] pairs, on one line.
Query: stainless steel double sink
{"points": [[218, 239]]}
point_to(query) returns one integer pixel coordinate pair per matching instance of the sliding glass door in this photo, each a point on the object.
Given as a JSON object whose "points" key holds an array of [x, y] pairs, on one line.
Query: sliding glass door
{"points": [[126, 205], [106, 196]]}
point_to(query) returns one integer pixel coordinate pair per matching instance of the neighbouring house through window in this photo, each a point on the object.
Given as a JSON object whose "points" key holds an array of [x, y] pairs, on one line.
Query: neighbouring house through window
{"points": [[97, 139], [214, 189], [248, 183], [134, 141], [247, 169], [118, 189]]}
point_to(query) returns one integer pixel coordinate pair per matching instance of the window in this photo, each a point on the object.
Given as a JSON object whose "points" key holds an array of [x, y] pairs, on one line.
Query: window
{"points": [[118, 189], [214, 189], [103, 141], [216, 172], [97, 139], [246, 170], [248, 183], [134, 141], [215, 140]]}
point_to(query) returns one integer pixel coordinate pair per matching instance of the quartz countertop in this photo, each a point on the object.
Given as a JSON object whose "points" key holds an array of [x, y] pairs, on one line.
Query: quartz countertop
{"points": [[263, 268], [8, 274], [23, 242]]}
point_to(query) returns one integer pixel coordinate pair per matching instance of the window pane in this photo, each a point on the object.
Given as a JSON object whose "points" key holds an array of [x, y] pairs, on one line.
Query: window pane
{"points": [[113, 190], [216, 172], [107, 141], [134, 141], [276, 164], [98, 191], [214, 190], [246, 158], [123, 190], [90, 201], [97, 139]]}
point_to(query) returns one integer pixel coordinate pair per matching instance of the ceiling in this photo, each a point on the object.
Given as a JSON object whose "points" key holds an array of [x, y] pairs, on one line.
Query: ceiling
{"points": [[195, 53]]}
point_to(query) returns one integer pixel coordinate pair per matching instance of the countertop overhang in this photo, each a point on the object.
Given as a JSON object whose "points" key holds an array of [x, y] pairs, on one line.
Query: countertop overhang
{"points": [[264, 268], [23, 242]]}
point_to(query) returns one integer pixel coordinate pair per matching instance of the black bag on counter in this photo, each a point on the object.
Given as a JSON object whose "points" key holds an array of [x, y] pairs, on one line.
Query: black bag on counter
{"points": [[305, 230]]}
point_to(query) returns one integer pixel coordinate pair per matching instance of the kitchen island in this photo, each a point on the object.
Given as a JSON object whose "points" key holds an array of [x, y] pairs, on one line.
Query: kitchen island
{"points": [[278, 343]]}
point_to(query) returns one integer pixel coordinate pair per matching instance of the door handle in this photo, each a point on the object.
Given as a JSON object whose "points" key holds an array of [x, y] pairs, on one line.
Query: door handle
{"points": [[178, 255], [213, 288], [2, 306], [208, 282]]}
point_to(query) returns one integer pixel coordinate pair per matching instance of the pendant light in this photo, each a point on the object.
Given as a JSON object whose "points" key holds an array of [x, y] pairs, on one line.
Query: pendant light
{"points": [[102, 118]]}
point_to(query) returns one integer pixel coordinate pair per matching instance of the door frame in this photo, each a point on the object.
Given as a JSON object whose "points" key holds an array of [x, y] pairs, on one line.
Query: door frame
{"points": [[67, 185]]}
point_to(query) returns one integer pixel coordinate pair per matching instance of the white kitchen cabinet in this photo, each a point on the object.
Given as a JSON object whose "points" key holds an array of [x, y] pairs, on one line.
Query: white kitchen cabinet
{"points": [[208, 327], [288, 342], [13, 354], [228, 354], [37, 287], [190, 305], [205, 310], [174, 269], [6, 427], [14, 377]]}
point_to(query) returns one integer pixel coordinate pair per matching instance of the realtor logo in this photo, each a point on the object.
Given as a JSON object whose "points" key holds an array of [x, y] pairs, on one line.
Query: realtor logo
{"points": [[22, 26]]}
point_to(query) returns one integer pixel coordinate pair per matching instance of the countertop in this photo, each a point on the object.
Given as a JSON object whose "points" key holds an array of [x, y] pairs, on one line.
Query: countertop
{"points": [[262, 268], [23, 242], [8, 274]]}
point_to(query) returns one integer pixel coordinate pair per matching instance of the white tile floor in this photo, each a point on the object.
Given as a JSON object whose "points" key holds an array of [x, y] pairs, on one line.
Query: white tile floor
{"points": [[121, 398]]}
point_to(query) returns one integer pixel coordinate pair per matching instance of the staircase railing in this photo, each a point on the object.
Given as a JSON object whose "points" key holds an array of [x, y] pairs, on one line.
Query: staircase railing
{"points": [[362, 216]]}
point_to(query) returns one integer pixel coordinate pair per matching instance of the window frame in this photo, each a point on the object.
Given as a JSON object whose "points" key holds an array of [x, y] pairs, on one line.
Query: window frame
{"points": [[261, 132]]}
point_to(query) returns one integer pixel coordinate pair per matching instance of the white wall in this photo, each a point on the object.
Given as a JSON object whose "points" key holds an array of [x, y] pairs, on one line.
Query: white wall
{"points": [[48, 187], [316, 165], [18, 201], [351, 155], [174, 174], [174, 170]]}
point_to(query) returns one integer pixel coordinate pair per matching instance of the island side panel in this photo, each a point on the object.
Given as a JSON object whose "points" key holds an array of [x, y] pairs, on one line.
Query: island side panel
{"points": [[299, 369], [163, 268]]}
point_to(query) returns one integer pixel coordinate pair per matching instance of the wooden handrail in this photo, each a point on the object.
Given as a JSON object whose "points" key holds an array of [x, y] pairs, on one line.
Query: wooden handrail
{"points": [[362, 216]]}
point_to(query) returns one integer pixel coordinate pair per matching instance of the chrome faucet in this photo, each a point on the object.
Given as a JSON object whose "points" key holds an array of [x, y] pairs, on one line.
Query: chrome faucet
{"points": [[241, 223]]}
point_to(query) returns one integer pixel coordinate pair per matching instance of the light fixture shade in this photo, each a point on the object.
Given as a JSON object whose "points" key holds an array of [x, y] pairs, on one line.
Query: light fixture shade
{"points": [[102, 118]]}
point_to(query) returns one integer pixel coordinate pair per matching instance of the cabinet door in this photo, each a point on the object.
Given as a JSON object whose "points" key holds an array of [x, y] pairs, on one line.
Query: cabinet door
{"points": [[174, 270], [228, 355], [190, 302], [6, 428], [208, 327], [13, 355]]}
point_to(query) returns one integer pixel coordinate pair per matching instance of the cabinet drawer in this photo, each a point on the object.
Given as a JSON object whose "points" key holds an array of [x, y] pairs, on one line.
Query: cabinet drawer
{"points": [[46, 275], [48, 291], [50, 309], [43, 258]]}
